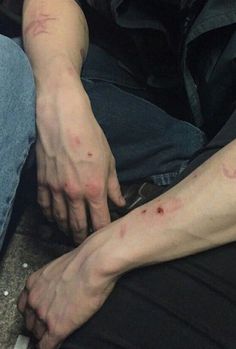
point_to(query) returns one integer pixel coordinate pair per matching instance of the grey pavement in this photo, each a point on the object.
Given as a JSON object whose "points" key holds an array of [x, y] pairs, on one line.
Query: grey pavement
{"points": [[34, 244]]}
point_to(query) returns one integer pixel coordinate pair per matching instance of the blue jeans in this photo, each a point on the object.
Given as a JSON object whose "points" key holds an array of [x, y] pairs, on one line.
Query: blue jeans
{"points": [[145, 140], [17, 123]]}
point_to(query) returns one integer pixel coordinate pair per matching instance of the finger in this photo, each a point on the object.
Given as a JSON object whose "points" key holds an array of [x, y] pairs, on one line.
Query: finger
{"points": [[22, 301], [59, 210], [39, 328], [30, 318], [44, 200], [49, 342], [78, 220], [99, 213], [114, 191]]}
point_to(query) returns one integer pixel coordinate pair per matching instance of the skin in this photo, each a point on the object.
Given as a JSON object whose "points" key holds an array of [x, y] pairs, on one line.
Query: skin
{"points": [[76, 169], [197, 214]]}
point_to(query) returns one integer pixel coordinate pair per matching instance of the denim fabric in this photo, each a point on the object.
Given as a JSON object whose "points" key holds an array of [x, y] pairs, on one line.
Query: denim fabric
{"points": [[17, 123]]}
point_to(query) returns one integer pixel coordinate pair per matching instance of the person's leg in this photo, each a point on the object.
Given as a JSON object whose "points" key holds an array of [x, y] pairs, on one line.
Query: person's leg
{"points": [[17, 123]]}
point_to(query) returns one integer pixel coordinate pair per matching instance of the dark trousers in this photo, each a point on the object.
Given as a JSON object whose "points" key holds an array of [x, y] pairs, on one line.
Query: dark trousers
{"points": [[184, 304]]}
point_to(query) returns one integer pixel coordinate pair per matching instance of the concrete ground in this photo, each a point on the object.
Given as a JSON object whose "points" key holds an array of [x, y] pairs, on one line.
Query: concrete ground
{"points": [[33, 244]]}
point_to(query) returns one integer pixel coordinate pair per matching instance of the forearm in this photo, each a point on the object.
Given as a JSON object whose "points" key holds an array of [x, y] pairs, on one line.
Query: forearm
{"points": [[55, 38], [197, 214]]}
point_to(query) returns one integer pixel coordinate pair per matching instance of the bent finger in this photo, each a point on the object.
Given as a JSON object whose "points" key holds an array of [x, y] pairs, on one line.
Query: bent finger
{"points": [[30, 318], [78, 220], [39, 329], [49, 341], [44, 201], [114, 191], [99, 213], [22, 301], [59, 209]]}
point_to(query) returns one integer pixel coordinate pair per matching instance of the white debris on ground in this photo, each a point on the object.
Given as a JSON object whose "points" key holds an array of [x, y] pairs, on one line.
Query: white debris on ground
{"points": [[22, 342]]}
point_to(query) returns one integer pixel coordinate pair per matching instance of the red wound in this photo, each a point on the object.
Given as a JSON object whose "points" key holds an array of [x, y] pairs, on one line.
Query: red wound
{"points": [[160, 211], [231, 174], [90, 155], [39, 25]]}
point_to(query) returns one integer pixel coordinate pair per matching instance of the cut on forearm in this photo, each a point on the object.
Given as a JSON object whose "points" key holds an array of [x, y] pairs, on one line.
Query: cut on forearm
{"points": [[196, 215], [54, 31]]}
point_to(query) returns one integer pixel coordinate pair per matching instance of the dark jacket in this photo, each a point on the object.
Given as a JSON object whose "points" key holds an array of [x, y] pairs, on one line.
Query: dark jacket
{"points": [[204, 46]]}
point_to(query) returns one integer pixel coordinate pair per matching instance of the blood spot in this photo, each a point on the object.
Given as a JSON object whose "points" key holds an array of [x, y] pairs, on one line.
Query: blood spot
{"points": [[160, 211], [90, 155]]}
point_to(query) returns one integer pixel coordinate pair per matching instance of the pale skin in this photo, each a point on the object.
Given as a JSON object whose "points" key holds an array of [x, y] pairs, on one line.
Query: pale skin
{"points": [[195, 215], [76, 168]]}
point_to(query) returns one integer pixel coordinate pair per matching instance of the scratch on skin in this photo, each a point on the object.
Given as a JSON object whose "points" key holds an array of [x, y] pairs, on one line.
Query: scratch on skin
{"points": [[231, 174], [122, 231], [39, 25]]}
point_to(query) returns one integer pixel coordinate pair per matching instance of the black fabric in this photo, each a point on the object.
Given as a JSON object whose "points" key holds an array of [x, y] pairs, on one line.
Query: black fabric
{"points": [[188, 43]]}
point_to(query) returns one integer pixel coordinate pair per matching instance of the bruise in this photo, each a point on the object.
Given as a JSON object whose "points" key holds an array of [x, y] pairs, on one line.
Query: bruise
{"points": [[231, 174], [75, 142], [71, 71], [39, 25], [122, 231]]}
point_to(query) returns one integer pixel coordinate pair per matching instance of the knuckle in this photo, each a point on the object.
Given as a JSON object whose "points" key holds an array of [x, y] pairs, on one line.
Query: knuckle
{"points": [[71, 190], [32, 300], [41, 313], [94, 189], [53, 328], [59, 216], [44, 205], [55, 188]]}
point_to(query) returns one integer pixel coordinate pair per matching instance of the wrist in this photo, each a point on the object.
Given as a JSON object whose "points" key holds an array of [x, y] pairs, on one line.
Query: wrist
{"points": [[116, 255], [55, 96], [56, 73]]}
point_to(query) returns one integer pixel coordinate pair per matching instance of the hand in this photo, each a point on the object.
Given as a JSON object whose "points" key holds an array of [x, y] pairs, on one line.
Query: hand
{"points": [[76, 168], [63, 295]]}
